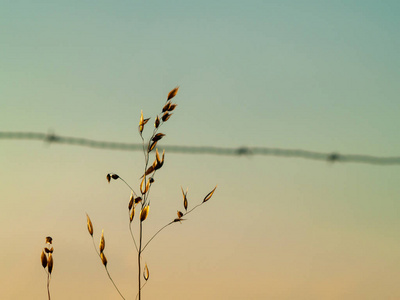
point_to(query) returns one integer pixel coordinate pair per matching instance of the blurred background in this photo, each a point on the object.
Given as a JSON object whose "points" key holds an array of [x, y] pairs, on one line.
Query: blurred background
{"points": [[314, 75]]}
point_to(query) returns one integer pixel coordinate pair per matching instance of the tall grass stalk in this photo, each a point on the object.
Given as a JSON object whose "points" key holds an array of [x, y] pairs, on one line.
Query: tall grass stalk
{"points": [[141, 200]]}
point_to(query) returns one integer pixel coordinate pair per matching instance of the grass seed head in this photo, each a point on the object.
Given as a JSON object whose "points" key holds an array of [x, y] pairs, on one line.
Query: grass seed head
{"points": [[103, 259], [166, 116], [166, 106], [172, 107], [157, 122], [144, 213], [102, 242], [209, 195], [50, 263], [47, 250], [89, 225], [146, 273], [43, 259], [173, 93], [132, 214]]}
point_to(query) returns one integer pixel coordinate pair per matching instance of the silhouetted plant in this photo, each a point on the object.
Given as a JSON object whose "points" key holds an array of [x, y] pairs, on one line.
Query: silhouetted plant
{"points": [[142, 199], [47, 261]]}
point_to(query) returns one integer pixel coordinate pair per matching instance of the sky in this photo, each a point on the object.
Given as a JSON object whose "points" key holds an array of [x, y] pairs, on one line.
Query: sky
{"points": [[314, 75]]}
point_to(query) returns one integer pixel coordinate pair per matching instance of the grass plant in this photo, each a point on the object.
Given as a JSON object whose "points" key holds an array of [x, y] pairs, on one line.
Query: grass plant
{"points": [[46, 259], [140, 199]]}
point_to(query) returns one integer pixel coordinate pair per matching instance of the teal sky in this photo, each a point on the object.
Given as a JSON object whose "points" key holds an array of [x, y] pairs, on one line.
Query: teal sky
{"points": [[315, 75]]}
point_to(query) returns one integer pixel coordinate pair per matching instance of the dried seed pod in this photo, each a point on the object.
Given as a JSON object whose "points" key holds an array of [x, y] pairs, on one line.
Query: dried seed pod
{"points": [[102, 242], [180, 214], [49, 240], [130, 201], [144, 213], [185, 201], [114, 176], [149, 171], [130, 205], [141, 122], [89, 225], [151, 146], [158, 160], [144, 190], [138, 199], [151, 180], [172, 107], [132, 214], [166, 116], [173, 93], [158, 137], [108, 177], [166, 106], [209, 195], [103, 259], [50, 263], [178, 220], [146, 273], [157, 122], [43, 259], [162, 158]]}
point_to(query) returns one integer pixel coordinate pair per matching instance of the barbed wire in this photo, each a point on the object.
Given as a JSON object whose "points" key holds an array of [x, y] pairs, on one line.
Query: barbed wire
{"points": [[240, 151]]}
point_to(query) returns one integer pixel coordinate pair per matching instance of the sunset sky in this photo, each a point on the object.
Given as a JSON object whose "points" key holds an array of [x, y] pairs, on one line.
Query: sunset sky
{"points": [[315, 75]]}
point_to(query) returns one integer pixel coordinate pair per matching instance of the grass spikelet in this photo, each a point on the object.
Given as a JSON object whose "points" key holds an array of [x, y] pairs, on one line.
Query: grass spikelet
{"points": [[131, 199], [144, 190], [102, 242], [185, 201], [209, 195], [144, 213], [43, 259], [172, 107], [89, 225], [132, 214], [146, 273], [172, 93], [166, 106], [50, 263], [166, 116], [103, 259], [158, 137]]}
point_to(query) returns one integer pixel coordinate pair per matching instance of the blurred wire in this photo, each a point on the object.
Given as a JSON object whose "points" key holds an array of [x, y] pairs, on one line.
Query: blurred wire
{"points": [[241, 151]]}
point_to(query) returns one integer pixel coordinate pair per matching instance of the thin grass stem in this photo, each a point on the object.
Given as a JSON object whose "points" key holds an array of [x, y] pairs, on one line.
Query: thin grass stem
{"points": [[48, 284], [156, 234], [130, 229], [109, 276]]}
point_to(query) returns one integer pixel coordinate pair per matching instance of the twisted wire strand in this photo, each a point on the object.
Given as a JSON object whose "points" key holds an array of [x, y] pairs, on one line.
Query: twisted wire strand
{"points": [[240, 151]]}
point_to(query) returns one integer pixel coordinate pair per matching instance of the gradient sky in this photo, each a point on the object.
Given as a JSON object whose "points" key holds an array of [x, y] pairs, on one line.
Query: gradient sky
{"points": [[316, 75]]}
